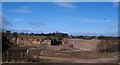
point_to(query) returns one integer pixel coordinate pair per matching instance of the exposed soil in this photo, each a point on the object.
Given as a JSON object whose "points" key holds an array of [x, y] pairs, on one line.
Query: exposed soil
{"points": [[76, 60]]}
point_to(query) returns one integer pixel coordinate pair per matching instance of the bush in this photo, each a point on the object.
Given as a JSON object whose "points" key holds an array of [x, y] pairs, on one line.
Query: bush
{"points": [[107, 46], [56, 42]]}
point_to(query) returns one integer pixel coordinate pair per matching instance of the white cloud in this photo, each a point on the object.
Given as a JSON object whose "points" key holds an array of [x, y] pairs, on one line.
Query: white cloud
{"points": [[24, 9], [67, 16], [95, 20], [37, 23], [96, 33], [25, 30], [72, 18], [86, 20], [17, 19], [65, 5], [115, 4], [4, 23]]}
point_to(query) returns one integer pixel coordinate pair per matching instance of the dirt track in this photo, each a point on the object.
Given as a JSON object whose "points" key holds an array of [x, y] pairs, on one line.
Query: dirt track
{"points": [[76, 60]]}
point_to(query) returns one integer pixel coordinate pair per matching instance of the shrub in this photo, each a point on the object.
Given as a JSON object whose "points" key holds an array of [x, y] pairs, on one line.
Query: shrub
{"points": [[56, 42], [107, 46]]}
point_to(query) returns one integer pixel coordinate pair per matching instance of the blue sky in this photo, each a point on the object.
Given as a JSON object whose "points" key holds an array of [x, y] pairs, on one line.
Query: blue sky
{"points": [[74, 18]]}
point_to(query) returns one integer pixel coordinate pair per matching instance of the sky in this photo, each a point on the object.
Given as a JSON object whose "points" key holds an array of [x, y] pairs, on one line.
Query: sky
{"points": [[74, 18]]}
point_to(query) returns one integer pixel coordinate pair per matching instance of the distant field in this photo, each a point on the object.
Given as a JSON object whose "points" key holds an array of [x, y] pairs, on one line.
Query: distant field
{"points": [[32, 36]]}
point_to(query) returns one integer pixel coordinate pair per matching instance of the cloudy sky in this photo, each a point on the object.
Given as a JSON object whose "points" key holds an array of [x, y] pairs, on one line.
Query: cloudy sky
{"points": [[74, 18]]}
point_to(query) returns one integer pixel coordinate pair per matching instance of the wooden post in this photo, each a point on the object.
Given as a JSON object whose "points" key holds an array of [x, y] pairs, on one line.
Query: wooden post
{"points": [[21, 55], [7, 56], [27, 53]]}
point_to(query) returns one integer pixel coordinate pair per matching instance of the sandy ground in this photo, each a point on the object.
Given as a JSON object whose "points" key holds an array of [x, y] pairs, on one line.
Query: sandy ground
{"points": [[76, 60], [84, 44]]}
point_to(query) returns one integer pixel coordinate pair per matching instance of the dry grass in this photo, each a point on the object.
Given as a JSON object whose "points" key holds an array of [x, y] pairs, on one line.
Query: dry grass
{"points": [[107, 46], [31, 36]]}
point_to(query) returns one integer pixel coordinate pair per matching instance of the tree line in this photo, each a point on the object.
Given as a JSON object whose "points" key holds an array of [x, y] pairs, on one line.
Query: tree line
{"points": [[59, 34]]}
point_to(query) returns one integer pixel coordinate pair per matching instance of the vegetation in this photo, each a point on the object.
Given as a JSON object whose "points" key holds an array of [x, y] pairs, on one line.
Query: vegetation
{"points": [[5, 44], [54, 34], [107, 46]]}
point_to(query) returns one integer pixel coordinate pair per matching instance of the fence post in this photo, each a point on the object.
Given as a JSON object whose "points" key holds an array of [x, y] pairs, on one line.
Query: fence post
{"points": [[7, 56], [21, 55]]}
